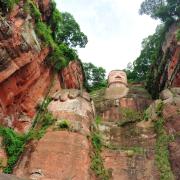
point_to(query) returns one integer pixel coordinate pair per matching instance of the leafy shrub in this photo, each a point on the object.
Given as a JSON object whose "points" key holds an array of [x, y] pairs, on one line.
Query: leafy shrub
{"points": [[47, 120], [98, 167], [14, 145], [69, 53], [56, 59], [94, 77], [96, 160], [44, 32], [159, 108], [97, 141], [43, 121], [64, 124], [7, 5], [31, 8], [161, 151], [129, 116], [178, 35], [98, 120], [43, 106]]}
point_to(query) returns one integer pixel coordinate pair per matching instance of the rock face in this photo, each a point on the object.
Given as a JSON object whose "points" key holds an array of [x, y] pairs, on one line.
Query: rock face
{"points": [[72, 76], [129, 152], [137, 99], [117, 85], [170, 114], [24, 77], [58, 155], [9, 177], [172, 123], [62, 154], [166, 72]]}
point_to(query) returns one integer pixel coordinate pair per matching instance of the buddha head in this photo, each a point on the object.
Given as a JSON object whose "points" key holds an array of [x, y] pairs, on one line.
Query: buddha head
{"points": [[117, 77]]}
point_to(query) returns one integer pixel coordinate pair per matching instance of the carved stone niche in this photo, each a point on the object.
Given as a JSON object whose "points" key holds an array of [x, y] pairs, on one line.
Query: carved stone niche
{"points": [[117, 85]]}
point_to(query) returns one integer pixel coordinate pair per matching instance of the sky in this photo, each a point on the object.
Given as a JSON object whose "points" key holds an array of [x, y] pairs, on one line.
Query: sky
{"points": [[114, 29]]}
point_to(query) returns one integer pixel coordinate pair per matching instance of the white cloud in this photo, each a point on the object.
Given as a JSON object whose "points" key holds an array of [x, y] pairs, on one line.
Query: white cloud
{"points": [[114, 28]]}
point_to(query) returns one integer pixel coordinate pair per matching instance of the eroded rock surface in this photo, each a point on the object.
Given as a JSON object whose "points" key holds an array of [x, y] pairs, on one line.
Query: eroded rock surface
{"points": [[62, 153], [130, 149], [58, 155], [25, 79]]}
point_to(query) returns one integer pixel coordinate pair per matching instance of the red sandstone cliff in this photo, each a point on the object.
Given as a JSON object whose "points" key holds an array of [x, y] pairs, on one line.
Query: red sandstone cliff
{"points": [[24, 77], [166, 71]]}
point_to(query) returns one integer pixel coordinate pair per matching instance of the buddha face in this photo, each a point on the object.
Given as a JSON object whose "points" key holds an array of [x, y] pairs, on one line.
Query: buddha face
{"points": [[117, 76]]}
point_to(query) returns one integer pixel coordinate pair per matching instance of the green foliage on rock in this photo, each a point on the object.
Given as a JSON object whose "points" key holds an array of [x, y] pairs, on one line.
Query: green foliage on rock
{"points": [[69, 53], [162, 152], [161, 147], [178, 35], [129, 116], [44, 33], [61, 32], [66, 34], [45, 120], [14, 144], [95, 77], [97, 164], [7, 5], [57, 59], [30, 8], [64, 124], [96, 160]]}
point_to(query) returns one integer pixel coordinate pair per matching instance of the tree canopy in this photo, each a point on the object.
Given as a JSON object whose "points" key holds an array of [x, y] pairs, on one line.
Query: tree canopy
{"points": [[62, 33], [148, 66], [151, 51], [95, 77], [165, 10], [71, 33]]}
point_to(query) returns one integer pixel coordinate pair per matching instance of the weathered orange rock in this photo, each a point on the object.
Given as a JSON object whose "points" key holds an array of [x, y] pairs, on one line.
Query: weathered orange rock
{"points": [[117, 165], [172, 68], [138, 104], [58, 155], [69, 104], [174, 149], [169, 110], [170, 75], [21, 92], [72, 76]]}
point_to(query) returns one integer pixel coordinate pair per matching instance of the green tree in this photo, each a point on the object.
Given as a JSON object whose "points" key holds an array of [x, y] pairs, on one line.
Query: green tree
{"points": [[95, 76], [131, 75], [165, 10], [150, 53], [67, 30]]}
